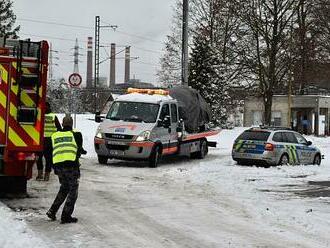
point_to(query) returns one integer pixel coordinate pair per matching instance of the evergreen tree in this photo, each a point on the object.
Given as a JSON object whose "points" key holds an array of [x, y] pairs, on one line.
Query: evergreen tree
{"points": [[206, 76], [7, 20]]}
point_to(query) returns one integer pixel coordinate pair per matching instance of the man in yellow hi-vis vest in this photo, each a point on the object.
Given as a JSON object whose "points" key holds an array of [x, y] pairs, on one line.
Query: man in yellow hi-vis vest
{"points": [[66, 150], [51, 126]]}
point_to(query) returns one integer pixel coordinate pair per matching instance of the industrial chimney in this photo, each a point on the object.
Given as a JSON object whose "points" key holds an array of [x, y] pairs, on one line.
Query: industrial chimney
{"points": [[127, 63], [112, 66], [89, 76]]}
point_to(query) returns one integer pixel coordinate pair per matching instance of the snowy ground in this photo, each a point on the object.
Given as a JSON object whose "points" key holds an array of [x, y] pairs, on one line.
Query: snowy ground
{"points": [[182, 203]]}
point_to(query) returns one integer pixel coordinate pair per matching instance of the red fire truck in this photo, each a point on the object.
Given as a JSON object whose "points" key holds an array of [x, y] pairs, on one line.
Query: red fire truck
{"points": [[23, 81]]}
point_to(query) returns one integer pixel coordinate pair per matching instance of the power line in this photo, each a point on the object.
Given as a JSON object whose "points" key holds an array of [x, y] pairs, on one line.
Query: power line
{"points": [[148, 50], [55, 23], [145, 63], [87, 27], [139, 37]]}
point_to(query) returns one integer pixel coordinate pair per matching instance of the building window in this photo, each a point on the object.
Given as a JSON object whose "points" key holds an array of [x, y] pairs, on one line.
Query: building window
{"points": [[257, 118], [276, 118]]}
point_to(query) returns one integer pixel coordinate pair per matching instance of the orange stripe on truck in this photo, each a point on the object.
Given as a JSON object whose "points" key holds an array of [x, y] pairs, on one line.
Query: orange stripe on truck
{"points": [[142, 144], [170, 150], [200, 135]]}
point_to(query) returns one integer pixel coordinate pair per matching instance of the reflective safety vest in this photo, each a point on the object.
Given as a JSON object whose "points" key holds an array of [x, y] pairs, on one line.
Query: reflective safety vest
{"points": [[64, 147], [50, 126]]}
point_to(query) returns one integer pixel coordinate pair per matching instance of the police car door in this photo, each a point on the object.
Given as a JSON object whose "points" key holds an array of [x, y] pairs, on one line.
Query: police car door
{"points": [[291, 146], [304, 151]]}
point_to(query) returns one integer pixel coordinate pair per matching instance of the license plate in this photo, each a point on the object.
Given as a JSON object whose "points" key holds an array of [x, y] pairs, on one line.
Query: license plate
{"points": [[117, 153], [116, 143]]}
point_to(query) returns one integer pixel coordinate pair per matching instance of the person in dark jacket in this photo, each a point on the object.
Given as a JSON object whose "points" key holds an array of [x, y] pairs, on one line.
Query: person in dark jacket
{"points": [[67, 147], [52, 125]]}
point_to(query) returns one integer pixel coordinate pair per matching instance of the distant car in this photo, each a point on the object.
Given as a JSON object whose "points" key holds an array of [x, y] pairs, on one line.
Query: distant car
{"points": [[274, 146]]}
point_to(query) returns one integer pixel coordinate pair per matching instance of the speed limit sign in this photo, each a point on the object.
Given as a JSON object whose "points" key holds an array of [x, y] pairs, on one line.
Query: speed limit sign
{"points": [[75, 80]]}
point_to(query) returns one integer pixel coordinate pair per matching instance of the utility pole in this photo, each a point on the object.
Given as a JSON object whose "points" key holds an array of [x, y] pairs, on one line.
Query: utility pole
{"points": [[184, 58], [97, 56], [96, 60]]}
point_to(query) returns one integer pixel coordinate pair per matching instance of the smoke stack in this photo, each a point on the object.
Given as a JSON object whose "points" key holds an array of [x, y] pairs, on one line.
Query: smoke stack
{"points": [[89, 76], [127, 63], [112, 66]]}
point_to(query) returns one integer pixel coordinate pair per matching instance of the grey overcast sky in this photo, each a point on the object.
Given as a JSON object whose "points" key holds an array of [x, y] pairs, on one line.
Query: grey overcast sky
{"points": [[142, 24]]}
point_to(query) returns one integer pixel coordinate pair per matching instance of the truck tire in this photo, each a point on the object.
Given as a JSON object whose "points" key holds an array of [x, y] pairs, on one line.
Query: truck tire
{"points": [[204, 149], [154, 158], [102, 159]]}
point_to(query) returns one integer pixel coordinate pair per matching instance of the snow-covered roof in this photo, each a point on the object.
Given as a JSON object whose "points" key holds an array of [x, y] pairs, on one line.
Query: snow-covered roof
{"points": [[137, 97]]}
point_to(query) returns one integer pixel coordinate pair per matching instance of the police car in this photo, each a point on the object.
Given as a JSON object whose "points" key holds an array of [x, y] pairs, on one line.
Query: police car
{"points": [[274, 146]]}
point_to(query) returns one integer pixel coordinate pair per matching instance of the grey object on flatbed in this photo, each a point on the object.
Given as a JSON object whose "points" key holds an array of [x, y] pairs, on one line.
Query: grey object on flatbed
{"points": [[192, 107]]}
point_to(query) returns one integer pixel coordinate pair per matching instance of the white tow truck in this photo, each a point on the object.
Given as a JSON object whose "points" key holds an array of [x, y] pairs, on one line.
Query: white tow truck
{"points": [[145, 125]]}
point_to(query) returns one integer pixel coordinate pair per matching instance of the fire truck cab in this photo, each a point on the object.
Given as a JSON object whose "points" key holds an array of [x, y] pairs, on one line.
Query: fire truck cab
{"points": [[23, 81]]}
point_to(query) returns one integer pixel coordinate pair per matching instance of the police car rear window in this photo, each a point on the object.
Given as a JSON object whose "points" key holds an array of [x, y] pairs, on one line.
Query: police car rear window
{"points": [[254, 135]]}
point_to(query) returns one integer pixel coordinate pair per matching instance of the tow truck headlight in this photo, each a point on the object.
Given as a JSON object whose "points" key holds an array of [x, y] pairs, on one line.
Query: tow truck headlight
{"points": [[143, 136], [98, 135]]}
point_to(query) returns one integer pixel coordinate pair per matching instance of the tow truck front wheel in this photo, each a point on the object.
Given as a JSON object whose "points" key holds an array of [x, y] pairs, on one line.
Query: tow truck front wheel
{"points": [[102, 159], [154, 158]]}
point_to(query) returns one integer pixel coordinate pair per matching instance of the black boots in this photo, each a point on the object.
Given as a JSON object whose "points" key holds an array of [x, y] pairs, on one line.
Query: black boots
{"points": [[51, 215], [46, 178], [40, 175], [65, 220]]}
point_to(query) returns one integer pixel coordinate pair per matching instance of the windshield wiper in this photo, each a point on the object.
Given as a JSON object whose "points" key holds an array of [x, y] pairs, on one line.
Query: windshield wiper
{"points": [[115, 118], [133, 119]]}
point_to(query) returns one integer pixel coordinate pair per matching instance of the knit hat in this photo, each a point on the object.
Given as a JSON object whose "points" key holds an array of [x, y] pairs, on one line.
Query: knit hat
{"points": [[67, 121]]}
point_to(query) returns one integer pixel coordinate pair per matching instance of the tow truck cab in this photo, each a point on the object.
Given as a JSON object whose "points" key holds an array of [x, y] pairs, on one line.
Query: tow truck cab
{"points": [[144, 126]]}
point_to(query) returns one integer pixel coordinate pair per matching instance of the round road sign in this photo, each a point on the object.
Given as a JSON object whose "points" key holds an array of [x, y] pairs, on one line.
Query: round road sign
{"points": [[75, 80]]}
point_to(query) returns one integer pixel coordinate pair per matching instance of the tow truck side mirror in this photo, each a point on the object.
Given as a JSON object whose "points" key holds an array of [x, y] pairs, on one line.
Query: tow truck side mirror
{"points": [[180, 126], [98, 117], [167, 121]]}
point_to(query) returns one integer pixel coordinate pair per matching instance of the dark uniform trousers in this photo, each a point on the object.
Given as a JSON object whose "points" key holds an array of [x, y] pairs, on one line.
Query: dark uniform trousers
{"points": [[47, 153], [69, 180]]}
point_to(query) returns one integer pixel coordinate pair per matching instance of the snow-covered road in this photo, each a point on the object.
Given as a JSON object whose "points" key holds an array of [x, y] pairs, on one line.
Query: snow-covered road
{"points": [[182, 203]]}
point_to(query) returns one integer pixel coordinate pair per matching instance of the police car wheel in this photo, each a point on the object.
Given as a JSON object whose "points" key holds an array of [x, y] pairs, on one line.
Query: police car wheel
{"points": [[284, 160], [317, 159], [102, 159]]}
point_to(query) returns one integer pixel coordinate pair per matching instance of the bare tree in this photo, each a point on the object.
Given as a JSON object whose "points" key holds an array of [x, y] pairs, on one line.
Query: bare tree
{"points": [[321, 18], [267, 44]]}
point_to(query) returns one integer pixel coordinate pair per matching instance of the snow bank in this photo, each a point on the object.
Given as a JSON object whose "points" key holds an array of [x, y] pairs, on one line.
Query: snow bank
{"points": [[14, 232]]}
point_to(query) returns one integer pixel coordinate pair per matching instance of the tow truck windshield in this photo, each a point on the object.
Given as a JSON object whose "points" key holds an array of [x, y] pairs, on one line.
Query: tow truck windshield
{"points": [[133, 112]]}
